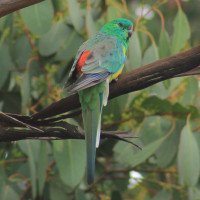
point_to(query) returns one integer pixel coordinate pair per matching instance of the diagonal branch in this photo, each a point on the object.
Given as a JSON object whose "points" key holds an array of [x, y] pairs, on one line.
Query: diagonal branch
{"points": [[9, 6], [45, 124], [137, 79]]}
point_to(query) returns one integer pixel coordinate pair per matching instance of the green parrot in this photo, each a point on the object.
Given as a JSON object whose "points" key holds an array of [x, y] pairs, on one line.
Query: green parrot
{"points": [[99, 60]]}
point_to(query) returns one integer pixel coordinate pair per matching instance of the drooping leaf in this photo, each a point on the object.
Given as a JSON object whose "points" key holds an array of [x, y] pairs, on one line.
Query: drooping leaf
{"points": [[135, 52], [150, 55], [111, 13], [125, 154], [70, 47], [5, 63], [38, 18], [164, 47], [188, 157], [58, 190], [163, 194], [91, 27], [41, 166], [25, 89], [22, 51], [191, 92], [167, 151], [76, 15], [156, 105], [80, 195], [71, 161], [9, 193], [181, 31], [54, 39], [30, 149]]}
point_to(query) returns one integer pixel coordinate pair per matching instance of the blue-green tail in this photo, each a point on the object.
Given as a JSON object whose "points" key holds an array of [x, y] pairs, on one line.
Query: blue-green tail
{"points": [[91, 101]]}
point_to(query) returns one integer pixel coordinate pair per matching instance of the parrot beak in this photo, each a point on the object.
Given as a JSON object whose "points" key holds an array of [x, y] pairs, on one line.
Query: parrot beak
{"points": [[130, 31]]}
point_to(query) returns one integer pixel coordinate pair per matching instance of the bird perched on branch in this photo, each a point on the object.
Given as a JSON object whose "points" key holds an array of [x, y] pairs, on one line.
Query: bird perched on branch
{"points": [[99, 60]]}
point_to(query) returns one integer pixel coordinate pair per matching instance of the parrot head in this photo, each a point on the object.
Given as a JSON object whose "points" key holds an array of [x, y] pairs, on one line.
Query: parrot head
{"points": [[122, 28]]}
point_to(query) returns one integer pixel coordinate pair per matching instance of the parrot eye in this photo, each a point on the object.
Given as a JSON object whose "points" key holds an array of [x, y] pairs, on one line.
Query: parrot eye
{"points": [[121, 25]]}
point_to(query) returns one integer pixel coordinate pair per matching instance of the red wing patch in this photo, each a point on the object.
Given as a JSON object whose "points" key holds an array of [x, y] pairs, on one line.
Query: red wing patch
{"points": [[82, 60]]}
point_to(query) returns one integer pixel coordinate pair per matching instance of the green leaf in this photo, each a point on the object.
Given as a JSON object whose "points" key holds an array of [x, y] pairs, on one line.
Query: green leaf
{"points": [[164, 48], [38, 18], [91, 27], [181, 32], [25, 89], [68, 50], [80, 195], [76, 15], [111, 13], [22, 51], [135, 52], [167, 151], [163, 194], [125, 154], [41, 166], [71, 161], [59, 191], [5, 63], [155, 105], [54, 39], [188, 157], [191, 92], [150, 55], [9, 193], [110, 113], [31, 150], [153, 128]]}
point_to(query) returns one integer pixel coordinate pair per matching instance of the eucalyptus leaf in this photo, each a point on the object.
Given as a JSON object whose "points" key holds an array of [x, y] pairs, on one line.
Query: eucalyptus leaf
{"points": [[22, 51], [135, 52], [41, 166], [5, 63], [181, 31], [150, 55], [191, 92], [71, 162], [38, 18], [76, 15], [127, 156], [70, 47], [188, 157], [91, 27], [54, 39], [29, 149], [26, 89], [163, 194], [164, 46]]}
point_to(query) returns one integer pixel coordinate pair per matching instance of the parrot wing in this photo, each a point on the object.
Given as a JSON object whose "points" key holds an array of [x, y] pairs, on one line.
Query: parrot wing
{"points": [[106, 56]]}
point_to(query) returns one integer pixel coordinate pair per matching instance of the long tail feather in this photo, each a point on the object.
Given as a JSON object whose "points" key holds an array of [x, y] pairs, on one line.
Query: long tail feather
{"points": [[92, 103], [91, 121]]}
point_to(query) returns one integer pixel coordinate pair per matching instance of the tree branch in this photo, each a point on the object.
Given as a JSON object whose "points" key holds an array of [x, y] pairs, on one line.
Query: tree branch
{"points": [[40, 125], [137, 79], [9, 6]]}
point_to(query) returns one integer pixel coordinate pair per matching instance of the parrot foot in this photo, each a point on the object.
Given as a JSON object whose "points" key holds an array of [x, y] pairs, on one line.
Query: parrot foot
{"points": [[115, 80]]}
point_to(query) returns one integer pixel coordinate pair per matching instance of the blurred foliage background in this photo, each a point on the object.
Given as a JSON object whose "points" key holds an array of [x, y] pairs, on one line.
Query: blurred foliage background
{"points": [[37, 48]]}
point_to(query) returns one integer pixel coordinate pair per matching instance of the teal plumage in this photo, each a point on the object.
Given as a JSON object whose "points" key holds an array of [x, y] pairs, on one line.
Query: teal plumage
{"points": [[99, 60]]}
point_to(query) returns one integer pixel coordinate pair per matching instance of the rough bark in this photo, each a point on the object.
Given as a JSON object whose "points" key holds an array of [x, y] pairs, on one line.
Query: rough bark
{"points": [[9, 6]]}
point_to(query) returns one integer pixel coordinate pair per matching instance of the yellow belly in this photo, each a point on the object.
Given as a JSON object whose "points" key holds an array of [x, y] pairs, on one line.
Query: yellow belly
{"points": [[115, 75]]}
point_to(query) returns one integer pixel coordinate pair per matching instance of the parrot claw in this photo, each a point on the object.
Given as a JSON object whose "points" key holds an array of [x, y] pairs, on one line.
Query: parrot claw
{"points": [[115, 80]]}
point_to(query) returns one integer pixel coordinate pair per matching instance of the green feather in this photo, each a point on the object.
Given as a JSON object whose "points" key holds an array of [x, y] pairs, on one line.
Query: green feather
{"points": [[91, 112]]}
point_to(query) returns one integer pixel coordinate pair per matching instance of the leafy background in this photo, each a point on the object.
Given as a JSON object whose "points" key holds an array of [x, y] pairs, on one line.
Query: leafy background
{"points": [[37, 48]]}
